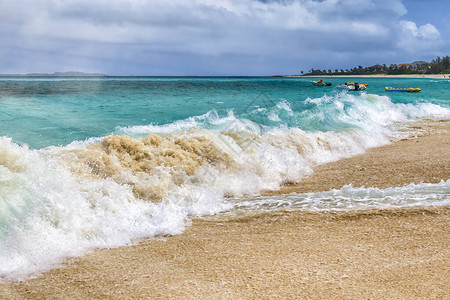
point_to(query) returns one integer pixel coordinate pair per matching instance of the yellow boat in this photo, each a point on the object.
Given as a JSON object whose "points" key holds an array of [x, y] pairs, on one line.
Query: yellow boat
{"points": [[409, 90], [321, 83]]}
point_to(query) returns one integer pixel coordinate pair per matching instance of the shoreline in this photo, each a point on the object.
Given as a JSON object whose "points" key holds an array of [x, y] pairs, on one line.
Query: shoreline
{"points": [[395, 253], [391, 165], [432, 76]]}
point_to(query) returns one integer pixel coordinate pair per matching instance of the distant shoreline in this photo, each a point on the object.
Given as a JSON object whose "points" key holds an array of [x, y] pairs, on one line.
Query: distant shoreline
{"points": [[436, 76]]}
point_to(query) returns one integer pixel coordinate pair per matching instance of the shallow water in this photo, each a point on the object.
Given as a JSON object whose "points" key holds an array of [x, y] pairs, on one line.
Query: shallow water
{"points": [[55, 111]]}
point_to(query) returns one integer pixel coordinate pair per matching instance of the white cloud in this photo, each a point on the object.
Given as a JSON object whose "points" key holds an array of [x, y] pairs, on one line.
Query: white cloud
{"points": [[414, 39], [427, 31]]}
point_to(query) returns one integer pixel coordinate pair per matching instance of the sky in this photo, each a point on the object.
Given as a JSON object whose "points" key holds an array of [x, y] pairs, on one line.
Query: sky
{"points": [[218, 37]]}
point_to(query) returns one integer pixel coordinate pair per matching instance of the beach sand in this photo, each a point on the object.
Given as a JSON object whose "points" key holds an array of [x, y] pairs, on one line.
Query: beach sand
{"points": [[374, 254]]}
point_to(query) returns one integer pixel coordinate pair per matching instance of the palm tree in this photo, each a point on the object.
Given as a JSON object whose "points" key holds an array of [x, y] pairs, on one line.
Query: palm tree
{"points": [[446, 62]]}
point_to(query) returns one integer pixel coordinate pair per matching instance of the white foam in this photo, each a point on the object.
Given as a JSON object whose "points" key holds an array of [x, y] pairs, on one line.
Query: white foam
{"points": [[369, 110], [349, 198], [181, 125], [47, 213]]}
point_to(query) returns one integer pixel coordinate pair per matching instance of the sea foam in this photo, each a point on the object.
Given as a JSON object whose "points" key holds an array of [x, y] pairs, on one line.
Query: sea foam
{"points": [[49, 212], [349, 198]]}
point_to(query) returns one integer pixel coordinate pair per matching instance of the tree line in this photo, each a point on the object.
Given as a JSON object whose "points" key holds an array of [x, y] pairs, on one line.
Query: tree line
{"points": [[436, 66]]}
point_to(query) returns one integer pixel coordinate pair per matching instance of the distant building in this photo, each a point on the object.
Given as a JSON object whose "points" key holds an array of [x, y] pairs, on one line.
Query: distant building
{"points": [[376, 68], [419, 65], [406, 66]]}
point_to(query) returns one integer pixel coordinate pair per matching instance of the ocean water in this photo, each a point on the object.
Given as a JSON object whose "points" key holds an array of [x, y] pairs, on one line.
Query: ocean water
{"points": [[103, 162]]}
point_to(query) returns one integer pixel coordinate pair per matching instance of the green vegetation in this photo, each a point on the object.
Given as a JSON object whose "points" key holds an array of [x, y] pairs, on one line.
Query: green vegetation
{"points": [[436, 66], [439, 66]]}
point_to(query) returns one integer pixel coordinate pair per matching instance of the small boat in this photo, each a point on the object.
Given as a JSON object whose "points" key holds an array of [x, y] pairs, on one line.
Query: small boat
{"points": [[353, 86], [409, 90], [321, 83], [353, 83]]}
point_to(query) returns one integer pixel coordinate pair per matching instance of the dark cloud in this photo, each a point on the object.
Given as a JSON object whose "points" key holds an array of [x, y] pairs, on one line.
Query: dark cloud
{"points": [[211, 37]]}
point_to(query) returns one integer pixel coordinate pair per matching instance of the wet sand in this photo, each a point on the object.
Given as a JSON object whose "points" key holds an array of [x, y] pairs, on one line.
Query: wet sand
{"points": [[376, 254]]}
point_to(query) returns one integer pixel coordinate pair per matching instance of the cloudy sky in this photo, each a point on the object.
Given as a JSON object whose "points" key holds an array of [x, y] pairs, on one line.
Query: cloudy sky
{"points": [[217, 37]]}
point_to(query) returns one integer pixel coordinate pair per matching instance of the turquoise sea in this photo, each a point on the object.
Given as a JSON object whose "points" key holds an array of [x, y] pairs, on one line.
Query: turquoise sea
{"points": [[88, 163]]}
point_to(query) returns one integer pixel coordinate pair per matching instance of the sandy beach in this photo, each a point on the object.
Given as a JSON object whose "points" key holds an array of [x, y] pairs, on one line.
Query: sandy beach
{"points": [[375, 254]]}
